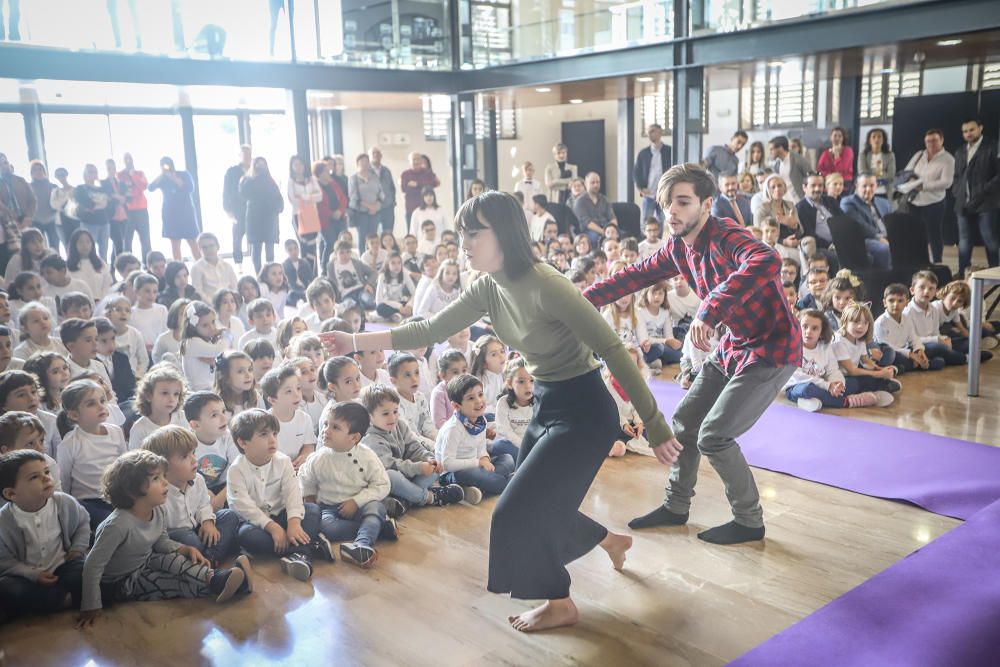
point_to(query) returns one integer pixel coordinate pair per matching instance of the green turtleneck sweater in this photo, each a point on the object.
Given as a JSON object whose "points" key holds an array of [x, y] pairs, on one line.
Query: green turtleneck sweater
{"points": [[545, 318]]}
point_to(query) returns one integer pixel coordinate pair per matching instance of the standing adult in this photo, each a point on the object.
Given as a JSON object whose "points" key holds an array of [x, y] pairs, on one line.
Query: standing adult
{"points": [[365, 197], [977, 194], [792, 166], [877, 158], [537, 527], [264, 204], [304, 194], [339, 170], [233, 202], [731, 203], [839, 157], [935, 169], [332, 210], [63, 202], [724, 158], [413, 181], [386, 214], [136, 206], [737, 278], [558, 174], [755, 159], [868, 211], [93, 204], [650, 164], [17, 199], [117, 216], [180, 221], [44, 219], [593, 210]]}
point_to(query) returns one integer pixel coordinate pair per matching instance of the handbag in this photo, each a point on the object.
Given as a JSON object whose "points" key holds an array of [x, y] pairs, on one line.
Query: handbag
{"points": [[308, 216]]}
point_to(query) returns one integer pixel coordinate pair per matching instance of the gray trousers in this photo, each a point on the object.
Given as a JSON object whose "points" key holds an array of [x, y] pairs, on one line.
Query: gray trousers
{"points": [[716, 410]]}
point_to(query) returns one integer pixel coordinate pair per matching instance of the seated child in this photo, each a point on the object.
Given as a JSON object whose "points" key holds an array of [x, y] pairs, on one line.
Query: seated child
{"points": [[368, 362], [262, 353], [283, 395], [693, 358], [19, 392], [36, 322], [191, 519], [226, 303], [148, 316], [632, 436], [76, 305], [927, 320], [857, 360], [349, 482], [80, 339], [953, 298], [167, 346], [115, 363], [235, 383], [895, 328], [159, 398], [461, 444], [118, 310], [313, 401], [404, 373], [264, 492], [23, 430], [818, 381], [322, 299], [516, 404], [56, 280], [201, 343], [413, 472], [816, 281], [7, 359], [133, 559], [450, 364], [214, 450], [44, 536], [298, 272], [261, 315]]}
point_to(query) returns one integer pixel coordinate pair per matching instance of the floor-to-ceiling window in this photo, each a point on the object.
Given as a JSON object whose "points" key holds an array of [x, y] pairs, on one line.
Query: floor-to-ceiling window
{"points": [[13, 143], [217, 139]]}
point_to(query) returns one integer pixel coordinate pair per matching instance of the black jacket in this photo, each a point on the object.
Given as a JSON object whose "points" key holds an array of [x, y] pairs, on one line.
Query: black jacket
{"points": [[642, 160], [233, 202], [982, 176], [807, 216], [299, 279]]}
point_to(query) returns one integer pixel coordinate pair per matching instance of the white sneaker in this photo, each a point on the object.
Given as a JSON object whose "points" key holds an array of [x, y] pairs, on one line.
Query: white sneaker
{"points": [[990, 342], [473, 495], [809, 404], [656, 365], [883, 399]]}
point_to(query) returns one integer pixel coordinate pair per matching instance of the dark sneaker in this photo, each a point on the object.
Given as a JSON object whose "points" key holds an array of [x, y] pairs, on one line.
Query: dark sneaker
{"points": [[243, 562], [363, 557], [234, 582], [390, 530], [297, 566], [394, 507], [324, 547], [447, 495]]}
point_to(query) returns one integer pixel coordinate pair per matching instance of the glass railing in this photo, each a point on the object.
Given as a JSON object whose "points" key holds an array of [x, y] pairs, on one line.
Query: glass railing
{"points": [[715, 16], [398, 34]]}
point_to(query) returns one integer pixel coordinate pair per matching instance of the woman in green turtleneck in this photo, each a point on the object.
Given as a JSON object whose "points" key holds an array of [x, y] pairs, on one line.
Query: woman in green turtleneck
{"points": [[537, 526]]}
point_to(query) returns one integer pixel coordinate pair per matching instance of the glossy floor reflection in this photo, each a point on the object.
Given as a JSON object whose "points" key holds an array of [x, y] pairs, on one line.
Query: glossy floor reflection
{"points": [[678, 602]]}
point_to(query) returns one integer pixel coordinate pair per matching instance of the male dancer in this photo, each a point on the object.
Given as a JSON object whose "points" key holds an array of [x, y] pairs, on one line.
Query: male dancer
{"points": [[737, 278]]}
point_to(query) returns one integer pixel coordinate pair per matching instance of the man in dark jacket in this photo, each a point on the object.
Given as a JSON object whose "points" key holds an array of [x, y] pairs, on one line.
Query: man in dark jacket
{"points": [[233, 202], [386, 214], [976, 189], [731, 203], [17, 199], [650, 164]]}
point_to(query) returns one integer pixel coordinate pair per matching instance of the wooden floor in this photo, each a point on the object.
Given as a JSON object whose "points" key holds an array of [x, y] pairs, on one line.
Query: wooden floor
{"points": [[679, 601]]}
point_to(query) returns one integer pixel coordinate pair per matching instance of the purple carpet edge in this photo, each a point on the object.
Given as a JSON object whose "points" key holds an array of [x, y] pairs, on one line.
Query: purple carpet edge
{"points": [[921, 611], [951, 477]]}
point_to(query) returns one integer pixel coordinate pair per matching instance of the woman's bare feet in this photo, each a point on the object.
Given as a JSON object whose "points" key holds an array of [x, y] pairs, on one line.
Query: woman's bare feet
{"points": [[551, 614], [617, 449], [616, 545]]}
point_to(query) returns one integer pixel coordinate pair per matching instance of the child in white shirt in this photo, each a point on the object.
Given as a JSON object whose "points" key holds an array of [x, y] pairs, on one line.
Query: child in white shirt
{"points": [[211, 273], [683, 304], [36, 330], [652, 242], [149, 317], [23, 430], [261, 314], [56, 281], [632, 437], [159, 397], [201, 343], [128, 339], [80, 339], [322, 299], [214, 449], [442, 291], [283, 395], [226, 305], [896, 329], [405, 375], [516, 404], [927, 320]]}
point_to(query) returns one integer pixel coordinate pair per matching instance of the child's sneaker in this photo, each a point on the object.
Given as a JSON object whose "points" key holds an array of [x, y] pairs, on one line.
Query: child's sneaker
{"points": [[228, 583], [394, 507], [447, 495], [243, 562], [298, 566], [895, 385], [473, 495], [865, 399], [390, 530], [363, 557], [656, 365], [324, 548], [883, 399], [989, 342], [809, 404]]}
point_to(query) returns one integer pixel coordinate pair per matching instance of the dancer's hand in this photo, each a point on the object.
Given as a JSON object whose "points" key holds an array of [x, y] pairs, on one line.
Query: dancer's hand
{"points": [[667, 452], [700, 335]]}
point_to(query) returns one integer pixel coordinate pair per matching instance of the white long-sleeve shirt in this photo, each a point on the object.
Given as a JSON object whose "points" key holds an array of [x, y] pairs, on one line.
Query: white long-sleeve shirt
{"points": [[819, 366], [682, 306], [188, 507], [434, 299], [27, 347], [133, 344], [144, 426], [512, 422], [83, 458], [900, 336], [436, 215], [927, 323], [199, 374], [659, 327], [456, 448], [417, 414], [395, 294], [151, 322], [335, 477], [207, 278], [99, 282], [257, 493], [630, 335], [492, 386]]}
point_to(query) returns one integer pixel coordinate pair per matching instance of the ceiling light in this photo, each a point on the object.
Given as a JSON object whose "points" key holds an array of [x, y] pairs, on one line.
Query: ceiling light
{"points": [[340, 107], [887, 70], [776, 63], [543, 90], [644, 79], [576, 101], [949, 42]]}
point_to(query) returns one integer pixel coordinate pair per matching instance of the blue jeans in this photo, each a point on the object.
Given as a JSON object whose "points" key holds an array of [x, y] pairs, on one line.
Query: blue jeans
{"points": [[939, 351], [651, 209], [363, 299], [228, 524], [19, 596], [595, 238], [490, 483], [906, 364], [102, 236], [888, 354], [855, 384], [386, 217], [664, 353], [98, 510], [364, 224], [363, 529], [257, 542], [987, 223], [410, 489], [503, 446], [811, 390], [50, 231], [879, 253]]}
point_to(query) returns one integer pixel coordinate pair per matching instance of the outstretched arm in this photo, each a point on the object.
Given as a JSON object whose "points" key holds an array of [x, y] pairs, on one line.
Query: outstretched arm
{"points": [[632, 278]]}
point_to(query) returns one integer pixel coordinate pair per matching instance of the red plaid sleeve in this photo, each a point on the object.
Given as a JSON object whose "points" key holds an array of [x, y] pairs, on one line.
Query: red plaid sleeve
{"points": [[633, 278]]}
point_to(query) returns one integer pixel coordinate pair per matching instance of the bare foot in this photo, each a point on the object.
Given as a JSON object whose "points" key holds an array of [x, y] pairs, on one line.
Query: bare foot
{"points": [[551, 614], [617, 449], [616, 545]]}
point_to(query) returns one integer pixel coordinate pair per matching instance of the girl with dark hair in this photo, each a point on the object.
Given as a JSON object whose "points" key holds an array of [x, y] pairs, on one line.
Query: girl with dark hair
{"points": [[476, 188], [876, 158], [264, 204], [180, 221], [429, 210], [84, 263], [839, 157], [177, 287], [537, 527]]}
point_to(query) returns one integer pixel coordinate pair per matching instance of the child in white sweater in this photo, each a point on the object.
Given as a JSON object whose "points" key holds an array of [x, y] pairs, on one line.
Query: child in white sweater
{"points": [[405, 375], [515, 406]]}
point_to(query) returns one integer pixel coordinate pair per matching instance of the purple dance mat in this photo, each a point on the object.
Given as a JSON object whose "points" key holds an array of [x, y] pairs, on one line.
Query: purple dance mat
{"points": [[939, 606], [950, 477]]}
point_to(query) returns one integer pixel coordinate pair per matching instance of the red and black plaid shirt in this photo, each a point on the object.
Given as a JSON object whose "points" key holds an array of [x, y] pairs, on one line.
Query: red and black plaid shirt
{"points": [[737, 278]]}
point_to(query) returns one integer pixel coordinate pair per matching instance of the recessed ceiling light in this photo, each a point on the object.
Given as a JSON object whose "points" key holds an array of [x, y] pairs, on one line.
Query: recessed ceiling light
{"points": [[543, 90], [576, 101], [949, 42], [887, 70], [340, 107], [644, 79], [776, 63]]}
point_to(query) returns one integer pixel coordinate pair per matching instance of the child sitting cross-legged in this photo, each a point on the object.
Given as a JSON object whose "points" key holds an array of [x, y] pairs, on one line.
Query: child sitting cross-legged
{"points": [[44, 535], [349, 482], [263, 490], [413, 472], [133, 558], [296, 435], [461, 444], [191, 519]]}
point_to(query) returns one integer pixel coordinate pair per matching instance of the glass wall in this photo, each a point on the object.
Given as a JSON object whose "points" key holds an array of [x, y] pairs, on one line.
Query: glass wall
{"points": [[13, 144], [712, 16], [218, 141]]}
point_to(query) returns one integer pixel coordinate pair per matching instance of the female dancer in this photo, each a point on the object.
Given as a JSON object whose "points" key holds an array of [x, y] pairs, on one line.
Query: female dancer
{"points": [[537, 527]]}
